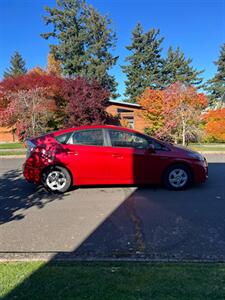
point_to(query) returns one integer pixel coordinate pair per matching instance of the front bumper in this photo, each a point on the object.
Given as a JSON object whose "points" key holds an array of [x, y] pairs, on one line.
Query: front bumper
{"points": [[201, 172]]}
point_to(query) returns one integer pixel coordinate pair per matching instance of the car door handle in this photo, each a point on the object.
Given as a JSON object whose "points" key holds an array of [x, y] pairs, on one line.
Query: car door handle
{"points": [[72, 152], [116, 155]]}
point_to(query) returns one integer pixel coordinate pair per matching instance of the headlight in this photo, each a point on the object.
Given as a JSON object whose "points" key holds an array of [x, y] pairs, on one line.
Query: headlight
{"points": [[197, 156]]}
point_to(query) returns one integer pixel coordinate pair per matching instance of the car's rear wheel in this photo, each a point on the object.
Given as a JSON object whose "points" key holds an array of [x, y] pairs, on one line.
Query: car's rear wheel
{"points": [[177, 177], [57, 179]]}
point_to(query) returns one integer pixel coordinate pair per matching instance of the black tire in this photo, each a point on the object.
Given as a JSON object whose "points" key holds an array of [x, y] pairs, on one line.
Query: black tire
{"points": [[65, 178], [185, 175]]}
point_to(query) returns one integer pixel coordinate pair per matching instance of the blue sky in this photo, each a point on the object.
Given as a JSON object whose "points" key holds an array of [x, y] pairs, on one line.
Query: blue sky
{"points": [[197, 26]]}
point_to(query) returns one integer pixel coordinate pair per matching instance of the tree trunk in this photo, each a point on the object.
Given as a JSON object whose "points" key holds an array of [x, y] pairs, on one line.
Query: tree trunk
{"points": [[184, 134]]}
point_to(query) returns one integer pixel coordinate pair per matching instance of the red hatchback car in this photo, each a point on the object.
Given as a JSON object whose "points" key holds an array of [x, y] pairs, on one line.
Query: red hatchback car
{"points": [[102, 155]]}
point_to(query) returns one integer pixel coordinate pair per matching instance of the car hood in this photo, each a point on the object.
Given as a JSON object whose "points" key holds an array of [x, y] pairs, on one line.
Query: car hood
{"points": [[182, 150]]}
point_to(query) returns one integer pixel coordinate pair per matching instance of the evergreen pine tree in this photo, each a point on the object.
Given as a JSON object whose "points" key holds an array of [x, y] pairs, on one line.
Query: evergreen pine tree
{"points": [[144, 63], [85, 41], [17, 66], [178, 68], [216, 86]]}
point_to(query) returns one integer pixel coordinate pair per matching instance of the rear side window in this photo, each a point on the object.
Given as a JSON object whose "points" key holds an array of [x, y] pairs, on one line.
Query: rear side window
{"points": [[92, 137], [127, 140], [63, 138]]}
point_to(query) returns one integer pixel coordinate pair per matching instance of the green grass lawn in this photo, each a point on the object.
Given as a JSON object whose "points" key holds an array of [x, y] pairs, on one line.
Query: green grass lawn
{"points": [[11, 146], [6, 153], [111, 281], [208, 147]]}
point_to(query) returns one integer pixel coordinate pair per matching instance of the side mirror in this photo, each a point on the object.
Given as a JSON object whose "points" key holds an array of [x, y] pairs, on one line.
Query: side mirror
{"points": [[151, 148]]}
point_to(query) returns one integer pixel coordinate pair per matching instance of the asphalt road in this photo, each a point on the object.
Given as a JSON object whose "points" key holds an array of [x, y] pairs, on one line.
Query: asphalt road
{"points": [[112, 222]]}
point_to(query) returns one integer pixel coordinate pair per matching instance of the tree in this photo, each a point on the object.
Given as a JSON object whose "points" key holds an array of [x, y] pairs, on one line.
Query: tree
{"points": [[151, 102], [35, 103], [178, 68], [53, 66], [216, 85], [52, 85], [29, 111], [29, 81], [144, 63], [17, 66], [215, 125], [182, 112], [86, 103], [38, 70], [84, 41]]}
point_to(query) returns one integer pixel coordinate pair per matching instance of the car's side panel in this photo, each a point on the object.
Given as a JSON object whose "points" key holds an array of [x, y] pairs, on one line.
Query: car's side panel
{"points": [[88, 164], [120, 165]]}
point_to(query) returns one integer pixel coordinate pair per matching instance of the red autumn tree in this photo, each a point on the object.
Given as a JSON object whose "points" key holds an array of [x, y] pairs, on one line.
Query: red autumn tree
{"points": [[215, 125], [55, 102], [28, 111], [152, 103], [29, 81], [86, 103], [26, 82], [45, 85]]}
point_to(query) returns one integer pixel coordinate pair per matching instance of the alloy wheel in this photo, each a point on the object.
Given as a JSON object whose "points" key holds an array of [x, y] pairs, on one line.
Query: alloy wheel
{"points": [[56, 180], [178, 178]]}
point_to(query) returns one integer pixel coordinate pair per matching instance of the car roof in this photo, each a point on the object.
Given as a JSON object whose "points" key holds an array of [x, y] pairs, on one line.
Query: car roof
{"points": [[86, 127]]}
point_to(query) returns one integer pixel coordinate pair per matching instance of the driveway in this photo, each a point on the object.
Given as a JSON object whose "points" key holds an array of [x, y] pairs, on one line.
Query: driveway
{"points": [[112, 222]]}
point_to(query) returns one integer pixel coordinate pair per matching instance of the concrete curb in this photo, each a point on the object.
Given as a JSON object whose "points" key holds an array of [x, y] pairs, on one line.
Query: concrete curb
{"points": [[212, 152], [55, 257], [12, 156]]}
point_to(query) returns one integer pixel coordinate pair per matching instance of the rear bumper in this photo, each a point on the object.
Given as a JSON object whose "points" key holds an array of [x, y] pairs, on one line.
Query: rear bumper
{"points": [[32, 174]]}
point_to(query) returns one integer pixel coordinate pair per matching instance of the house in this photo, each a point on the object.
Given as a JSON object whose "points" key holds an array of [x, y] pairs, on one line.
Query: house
{"points": [[129, 114], [7, 135]]}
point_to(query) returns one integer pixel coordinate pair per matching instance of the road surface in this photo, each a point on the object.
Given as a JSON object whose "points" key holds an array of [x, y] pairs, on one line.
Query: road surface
{"points": [[112, 222]]}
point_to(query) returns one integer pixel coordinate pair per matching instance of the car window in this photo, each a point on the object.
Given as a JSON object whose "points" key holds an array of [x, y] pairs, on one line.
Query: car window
{"points": [[157, 146], [63, 138], [127, 139], [92, 137]]}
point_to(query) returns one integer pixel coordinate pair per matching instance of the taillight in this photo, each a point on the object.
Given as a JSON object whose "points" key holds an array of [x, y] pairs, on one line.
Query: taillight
{"points": [[30, 147]]}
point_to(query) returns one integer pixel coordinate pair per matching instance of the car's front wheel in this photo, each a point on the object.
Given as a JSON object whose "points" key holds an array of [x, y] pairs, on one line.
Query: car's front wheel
{"points": [[177, 177], [57, 179]]}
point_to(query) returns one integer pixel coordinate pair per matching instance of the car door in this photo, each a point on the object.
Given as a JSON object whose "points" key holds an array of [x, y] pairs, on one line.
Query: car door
{"points": [[128, 157], [131, 160], [87, 157]]}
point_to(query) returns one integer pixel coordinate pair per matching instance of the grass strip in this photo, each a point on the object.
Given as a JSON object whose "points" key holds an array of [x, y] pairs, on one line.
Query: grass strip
{"points": [[6, 153], [11, 146], [112, 280]]}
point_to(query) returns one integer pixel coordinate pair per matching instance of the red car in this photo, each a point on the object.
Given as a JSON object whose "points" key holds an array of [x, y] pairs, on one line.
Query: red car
{"points": [[102, 155]]}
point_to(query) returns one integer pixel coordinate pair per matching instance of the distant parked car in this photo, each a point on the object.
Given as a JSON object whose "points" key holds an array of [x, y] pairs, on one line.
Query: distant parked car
{"points": [[102, 155]]}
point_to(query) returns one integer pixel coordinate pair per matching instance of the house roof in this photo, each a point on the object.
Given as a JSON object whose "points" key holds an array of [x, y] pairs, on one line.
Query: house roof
{"points": [[117, 102]]}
